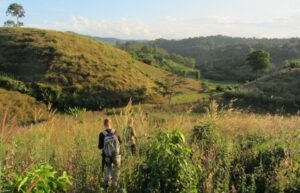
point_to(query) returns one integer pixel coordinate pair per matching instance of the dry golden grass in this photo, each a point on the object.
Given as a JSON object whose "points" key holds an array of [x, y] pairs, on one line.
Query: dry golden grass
{"points": [[21, 108], [70, 143]]}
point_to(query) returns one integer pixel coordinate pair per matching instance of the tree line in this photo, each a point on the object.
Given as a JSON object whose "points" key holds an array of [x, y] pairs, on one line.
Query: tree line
{"points": [[223, 58]]}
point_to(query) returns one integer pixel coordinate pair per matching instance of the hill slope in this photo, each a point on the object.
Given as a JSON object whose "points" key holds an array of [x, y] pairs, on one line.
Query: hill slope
{"points": [[284, 84], [20, 108], [87, 72], [276, 92]]}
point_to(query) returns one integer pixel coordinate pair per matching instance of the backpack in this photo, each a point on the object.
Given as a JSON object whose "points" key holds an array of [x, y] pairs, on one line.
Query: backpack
{"points": [[111, 144]]}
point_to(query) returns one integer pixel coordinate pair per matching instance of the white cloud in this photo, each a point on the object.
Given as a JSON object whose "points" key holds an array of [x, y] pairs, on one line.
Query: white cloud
{"points": [[175, 28], [123, 28]]}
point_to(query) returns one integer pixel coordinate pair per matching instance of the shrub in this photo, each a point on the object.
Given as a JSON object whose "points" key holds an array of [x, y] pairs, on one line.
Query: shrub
{"points": [[35, 178], [46, 93], [13, 85], [213, 155], [75, 111], [258, 167], [220, 88], [205, 134], [292, 64], [168, 166], [205, 86]]}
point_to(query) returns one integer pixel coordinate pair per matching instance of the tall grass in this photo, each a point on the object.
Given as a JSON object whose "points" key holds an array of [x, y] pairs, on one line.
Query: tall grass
{"points": [[70, 143]]}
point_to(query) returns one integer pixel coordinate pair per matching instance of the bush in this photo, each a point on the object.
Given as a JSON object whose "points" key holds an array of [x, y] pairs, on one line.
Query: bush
{"points": [[205, 87], [13, 85], [214, 157], [220, 88], [292, 64], [46, 93], [35, 178], [168, 166], [258, 167], [75, 111]]}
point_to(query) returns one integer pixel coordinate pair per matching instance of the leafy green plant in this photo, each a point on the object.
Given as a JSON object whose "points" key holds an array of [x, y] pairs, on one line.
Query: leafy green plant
{"points": [[13, 85], [47, 93], [75, 111], [168, 166], [260, 167], [35, 178], [292, 64], [213, 155]]}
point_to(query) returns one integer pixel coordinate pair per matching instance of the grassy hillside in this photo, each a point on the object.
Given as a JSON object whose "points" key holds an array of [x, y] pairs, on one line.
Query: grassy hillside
{"points": [[284, 84], [278, 91], [86, 72], [20, 108], [223, 58]]}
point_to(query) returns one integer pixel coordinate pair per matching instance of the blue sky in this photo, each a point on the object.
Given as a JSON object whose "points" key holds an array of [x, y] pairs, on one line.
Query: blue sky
{"points": [[171, 19]]}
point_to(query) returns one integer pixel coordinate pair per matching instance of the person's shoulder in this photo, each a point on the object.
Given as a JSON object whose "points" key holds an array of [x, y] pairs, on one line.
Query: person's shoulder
{"points": [[102, 133]]}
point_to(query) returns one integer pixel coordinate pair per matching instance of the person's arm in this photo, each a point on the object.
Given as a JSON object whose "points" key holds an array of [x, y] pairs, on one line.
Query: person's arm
{"points": [[119, 138], [133, 133], [101, 141]]}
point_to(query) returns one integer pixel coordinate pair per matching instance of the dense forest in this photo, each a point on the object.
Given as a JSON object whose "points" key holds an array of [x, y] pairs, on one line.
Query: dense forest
{"points": [[223, 58]]}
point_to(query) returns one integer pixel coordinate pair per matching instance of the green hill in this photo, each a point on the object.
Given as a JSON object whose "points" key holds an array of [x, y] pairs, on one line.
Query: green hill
{"points": [[152, 55], [79, 70], [273, 92], [20, 108], [223, 58], [284, 84]]}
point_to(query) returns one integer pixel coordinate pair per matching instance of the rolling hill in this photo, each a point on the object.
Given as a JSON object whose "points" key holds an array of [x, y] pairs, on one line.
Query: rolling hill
{"points": [[278, 91], [284, 84], [78, 69], [223, 58]]}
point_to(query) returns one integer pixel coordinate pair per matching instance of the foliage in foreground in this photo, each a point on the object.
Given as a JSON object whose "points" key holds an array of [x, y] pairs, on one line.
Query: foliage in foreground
{"points": [[168, 166], [231, 151], [35, 178]]}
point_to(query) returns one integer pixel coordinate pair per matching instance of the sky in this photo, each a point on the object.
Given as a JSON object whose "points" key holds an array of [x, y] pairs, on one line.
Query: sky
{"points": [[170, 19]]}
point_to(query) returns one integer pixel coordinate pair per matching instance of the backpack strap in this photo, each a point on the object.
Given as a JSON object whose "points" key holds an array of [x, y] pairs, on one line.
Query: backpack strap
{"points": [[105, 133]]}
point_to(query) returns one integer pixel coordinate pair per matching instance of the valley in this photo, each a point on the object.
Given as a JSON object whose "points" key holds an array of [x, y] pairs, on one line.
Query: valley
{"points": [[203, 133]]}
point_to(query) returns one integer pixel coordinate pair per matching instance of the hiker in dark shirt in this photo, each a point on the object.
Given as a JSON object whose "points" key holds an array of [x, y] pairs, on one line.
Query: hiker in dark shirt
{"points": [[109, 143]]}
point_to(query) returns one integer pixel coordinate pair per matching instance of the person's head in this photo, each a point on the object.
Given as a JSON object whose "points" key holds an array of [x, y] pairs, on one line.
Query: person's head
{"points": [[107, 124]]}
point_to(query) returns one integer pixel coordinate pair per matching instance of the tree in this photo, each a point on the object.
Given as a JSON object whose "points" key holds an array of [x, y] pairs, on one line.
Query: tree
{"points": [[168, 88], [15, 10], [9, 23], [258, 60]]}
